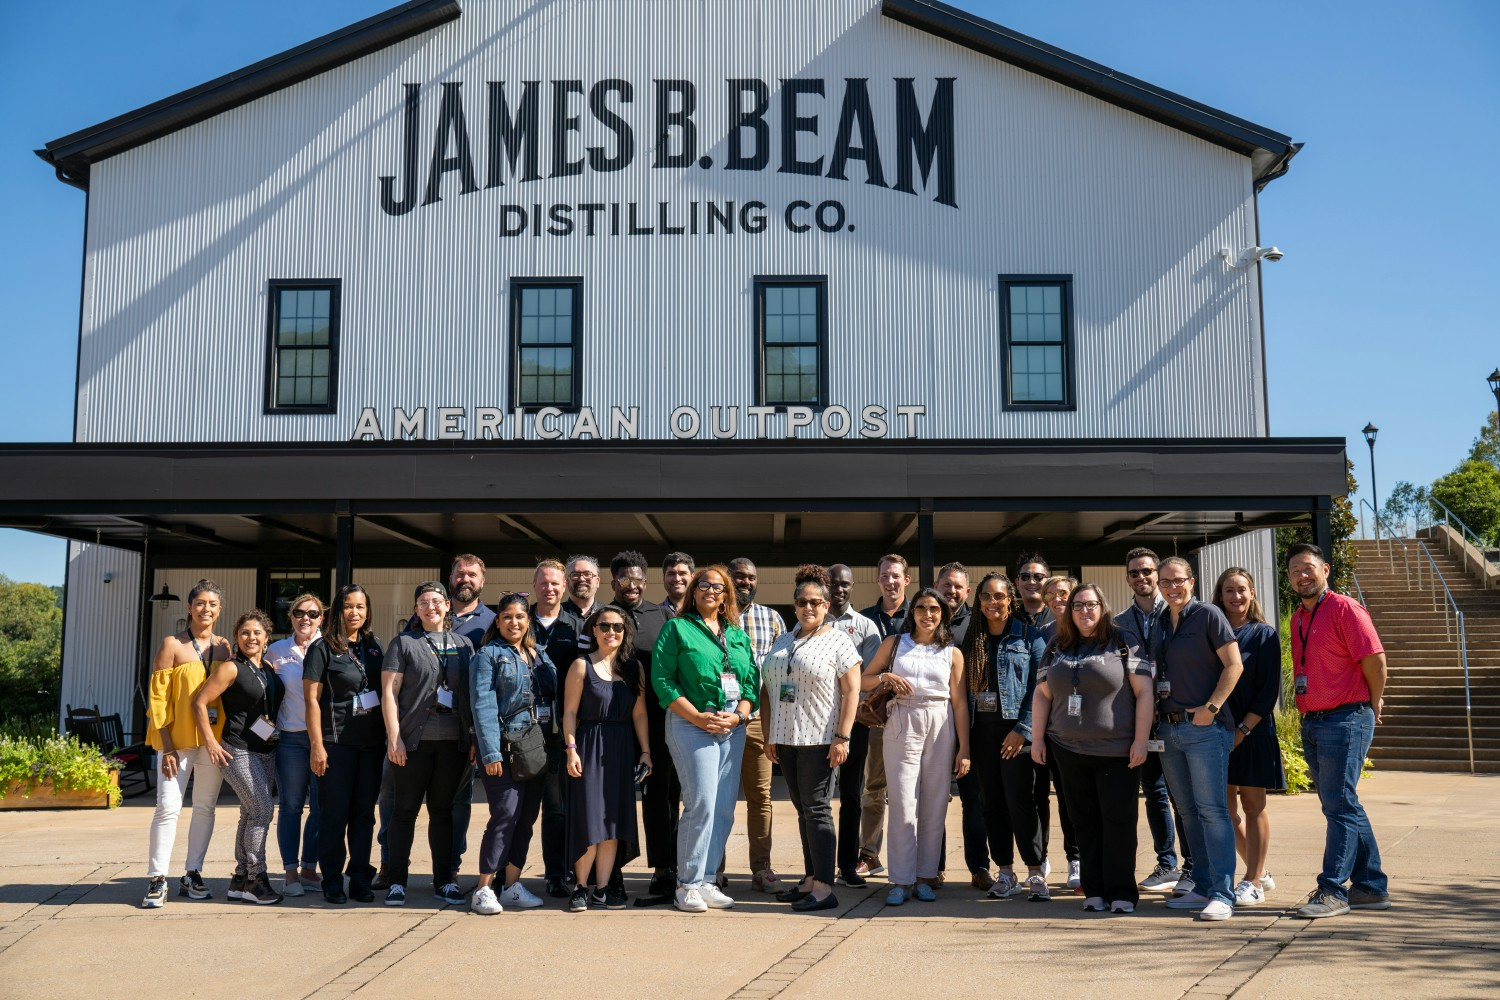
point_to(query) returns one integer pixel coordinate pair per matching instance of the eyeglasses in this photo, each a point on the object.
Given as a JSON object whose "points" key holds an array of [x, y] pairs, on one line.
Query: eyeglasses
{"points": [[304, 613], [581, 575], [994, 598], [611, 627], [435, 602], [1031, 577], [1087, 605], [810, 602], [1172, 583], [711, 588], [1133, 573], [926, 609]]}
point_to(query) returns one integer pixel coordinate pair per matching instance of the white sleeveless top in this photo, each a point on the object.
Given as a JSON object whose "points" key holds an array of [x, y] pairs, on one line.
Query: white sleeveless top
{"points": [[928, 668]]}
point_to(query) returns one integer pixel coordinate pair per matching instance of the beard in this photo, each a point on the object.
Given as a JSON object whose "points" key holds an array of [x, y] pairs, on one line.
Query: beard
{"points": [[745, 597], [464, 594]]}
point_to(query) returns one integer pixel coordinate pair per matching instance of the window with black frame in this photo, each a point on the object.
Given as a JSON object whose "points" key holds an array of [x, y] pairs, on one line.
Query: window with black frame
{"points": [[546, 341], [1037, 325], [302, 354], [792, 341]]}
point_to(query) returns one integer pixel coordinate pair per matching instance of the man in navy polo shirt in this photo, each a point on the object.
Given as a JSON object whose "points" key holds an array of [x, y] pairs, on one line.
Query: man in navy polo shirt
{"points": [[1197, 665]]}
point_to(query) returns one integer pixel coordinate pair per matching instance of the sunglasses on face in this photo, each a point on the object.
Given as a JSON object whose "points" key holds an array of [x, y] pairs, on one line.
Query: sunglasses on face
{"points": [[810, 602], [711, 588], [1031, 577], [611, 627], [304, 613], [1133, 573], [994, 598]]}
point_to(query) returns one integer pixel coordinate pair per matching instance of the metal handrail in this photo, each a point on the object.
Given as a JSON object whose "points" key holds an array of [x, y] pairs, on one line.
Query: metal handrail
{"points": [[1453, 616], [1389, 549], [1358, 590], [1449, 518]]}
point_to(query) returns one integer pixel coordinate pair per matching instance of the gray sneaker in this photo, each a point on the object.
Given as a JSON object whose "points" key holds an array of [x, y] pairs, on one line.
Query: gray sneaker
{"points": [[1161, 877], [1360, 899], [1321, 903]]}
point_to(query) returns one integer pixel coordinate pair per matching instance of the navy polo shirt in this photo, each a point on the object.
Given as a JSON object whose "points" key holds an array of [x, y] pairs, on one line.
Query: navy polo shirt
{"points": [[1189, 656]]}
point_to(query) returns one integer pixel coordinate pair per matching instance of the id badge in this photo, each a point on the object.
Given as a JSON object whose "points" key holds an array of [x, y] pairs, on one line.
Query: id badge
{"points": [[544, 714], [987, 701], [1164, 688], [1156, 746], [213, 715], [788, 692], [366, 701], [445, 698], [1075, 705], [1302, 684], [731, 686], [263, 728]]}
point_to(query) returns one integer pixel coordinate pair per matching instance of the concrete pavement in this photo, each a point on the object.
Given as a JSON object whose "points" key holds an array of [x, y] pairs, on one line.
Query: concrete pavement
{"points": [[70, 883]]}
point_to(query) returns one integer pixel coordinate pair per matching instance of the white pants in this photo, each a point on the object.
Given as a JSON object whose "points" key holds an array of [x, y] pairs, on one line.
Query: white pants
{"points": [[169, 792], [919, 746]]}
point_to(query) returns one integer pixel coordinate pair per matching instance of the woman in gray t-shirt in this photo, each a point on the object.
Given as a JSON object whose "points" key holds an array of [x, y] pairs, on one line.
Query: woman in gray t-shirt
{"points": [[1092, 711]]}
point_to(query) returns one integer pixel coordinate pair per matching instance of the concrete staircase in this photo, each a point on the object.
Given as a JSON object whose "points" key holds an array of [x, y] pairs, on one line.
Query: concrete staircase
{"points": [[1424, 725]]}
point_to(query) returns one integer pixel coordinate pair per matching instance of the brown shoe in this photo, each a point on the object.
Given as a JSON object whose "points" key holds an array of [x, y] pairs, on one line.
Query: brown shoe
{"points": [[382, 881], [868, 866], [982, 881]]}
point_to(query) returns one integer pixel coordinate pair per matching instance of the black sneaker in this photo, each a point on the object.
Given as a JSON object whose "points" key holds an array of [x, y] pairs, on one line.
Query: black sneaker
{"points": [[395, 895], [597, 899], [615, 898], [853, 879], [557, 887], [663, 883], [156, 893], [579, 900], [192, 886], [617, 885], [450, 893], [258, 890], [236, 886]]}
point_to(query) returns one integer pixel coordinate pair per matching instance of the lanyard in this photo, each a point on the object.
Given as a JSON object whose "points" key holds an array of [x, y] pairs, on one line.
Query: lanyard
{"points": [[1144, 623], [1304, 626], [208, 666], [442, 657], [798, 647], [265, 690], [364, 678]]}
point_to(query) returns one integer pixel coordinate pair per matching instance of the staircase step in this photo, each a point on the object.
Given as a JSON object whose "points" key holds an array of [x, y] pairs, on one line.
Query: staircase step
{"points": [[1448, 766]]}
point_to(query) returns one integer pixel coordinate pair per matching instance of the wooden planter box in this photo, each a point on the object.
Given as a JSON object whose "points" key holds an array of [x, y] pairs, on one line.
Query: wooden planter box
{"points": [[41, 797]]}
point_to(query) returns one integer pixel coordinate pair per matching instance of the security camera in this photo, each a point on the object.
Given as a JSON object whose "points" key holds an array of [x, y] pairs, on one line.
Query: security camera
{"points": [[1248, 256], [1272, 253]]}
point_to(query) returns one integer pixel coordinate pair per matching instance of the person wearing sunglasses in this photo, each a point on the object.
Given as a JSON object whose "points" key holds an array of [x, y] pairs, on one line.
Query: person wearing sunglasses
{"points": [[1198, 664], [424, 696], [294, 778], [926, 741], [1092, 713], [1031, 575], [1057, 592], [703, 672], [812, 684], [604, 720]]}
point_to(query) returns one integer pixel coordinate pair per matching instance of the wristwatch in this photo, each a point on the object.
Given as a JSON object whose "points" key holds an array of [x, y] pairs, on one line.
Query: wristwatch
{"points": [[1244, 729], [1212, 708], [744, 721], [841, 737]]}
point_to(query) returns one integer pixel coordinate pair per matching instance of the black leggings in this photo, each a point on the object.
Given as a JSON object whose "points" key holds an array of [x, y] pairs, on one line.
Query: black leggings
{"points": [[1006, 788]]}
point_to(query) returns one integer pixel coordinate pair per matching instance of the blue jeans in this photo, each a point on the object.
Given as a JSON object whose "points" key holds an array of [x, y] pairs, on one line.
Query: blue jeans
{"points": [[708, 766], [1196, 763], [296, 787], [1335, 748]]}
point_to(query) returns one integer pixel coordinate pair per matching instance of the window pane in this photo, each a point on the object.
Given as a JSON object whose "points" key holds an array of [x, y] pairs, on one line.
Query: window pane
{"points": [[809, 301], [1051, 298], [528, 301], [320, 362], [319, 391], [809, 389]]}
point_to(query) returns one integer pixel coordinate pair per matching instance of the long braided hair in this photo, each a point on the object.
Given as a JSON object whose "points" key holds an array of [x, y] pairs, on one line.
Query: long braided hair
{"points": [[976, 647]]}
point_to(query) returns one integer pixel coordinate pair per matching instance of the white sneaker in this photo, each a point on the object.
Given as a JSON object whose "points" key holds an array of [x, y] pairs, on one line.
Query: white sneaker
{"points": [[484, 901], [1074, 878], [517, 894], [292, 887], [1005, 885], [1216, 910], [1191, 901], [1046, 868], [1267, 883], [714, 897], [689, 900], [1248, 894]]}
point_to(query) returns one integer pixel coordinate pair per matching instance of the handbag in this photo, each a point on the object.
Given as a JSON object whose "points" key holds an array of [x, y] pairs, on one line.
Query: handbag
{"points": [[525, 753], [875, 710]]}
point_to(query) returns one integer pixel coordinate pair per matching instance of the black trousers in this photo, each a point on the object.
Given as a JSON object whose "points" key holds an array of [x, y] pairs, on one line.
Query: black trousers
{"points": [[851, 797], [1101, 794], [1005, 791], [554, 793], [661, 794], [1044, 776], [347, 792], [809, 783], [433, 772]]}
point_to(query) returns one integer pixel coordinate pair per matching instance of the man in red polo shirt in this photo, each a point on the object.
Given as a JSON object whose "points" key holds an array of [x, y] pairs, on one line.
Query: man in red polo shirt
{"points": [[1339, 671]]}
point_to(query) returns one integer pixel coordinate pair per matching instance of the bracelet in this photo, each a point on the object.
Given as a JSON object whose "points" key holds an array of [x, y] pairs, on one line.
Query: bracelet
{"points": [[840, 737], [570, 746]]}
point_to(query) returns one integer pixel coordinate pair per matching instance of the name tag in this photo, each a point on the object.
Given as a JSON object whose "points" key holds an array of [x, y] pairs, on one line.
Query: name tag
{"points": [[788, 692], [1075, 705], [1156, 746], [1164, 688], [445, 698], [731, 686], [366, 701], [263, 728], [213, 715], [987, 701], [543, 714], [1302, 684]]}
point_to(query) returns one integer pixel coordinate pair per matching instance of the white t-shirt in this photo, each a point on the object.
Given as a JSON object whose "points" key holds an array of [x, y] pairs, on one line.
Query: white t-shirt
{"points": [[286, 659], [809, 671]]}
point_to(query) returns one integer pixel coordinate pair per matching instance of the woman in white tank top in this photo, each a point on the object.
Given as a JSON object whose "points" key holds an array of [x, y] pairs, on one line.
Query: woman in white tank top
{"points": [[926, 741]]}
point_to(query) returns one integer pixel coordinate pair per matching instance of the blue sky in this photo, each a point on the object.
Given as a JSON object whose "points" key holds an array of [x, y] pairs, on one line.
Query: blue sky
{"points": [[1388, 217]]}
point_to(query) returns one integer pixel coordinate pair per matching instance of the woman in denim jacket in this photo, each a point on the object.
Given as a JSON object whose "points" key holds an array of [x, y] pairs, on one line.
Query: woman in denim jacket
{"points": [[1001, 656], [512, 684]]}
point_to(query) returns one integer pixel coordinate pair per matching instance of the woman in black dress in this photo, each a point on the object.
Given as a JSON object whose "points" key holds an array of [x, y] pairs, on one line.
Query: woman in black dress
{"points": [[1255, 763], [603, 701]]}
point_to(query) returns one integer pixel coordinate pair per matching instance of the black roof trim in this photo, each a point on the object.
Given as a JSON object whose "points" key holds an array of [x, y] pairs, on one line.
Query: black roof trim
{"points": [[72, 154], [1270, 151]]}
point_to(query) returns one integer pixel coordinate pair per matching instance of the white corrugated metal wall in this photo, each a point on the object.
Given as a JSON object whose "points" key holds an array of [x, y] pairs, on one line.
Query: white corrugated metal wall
{"points": [[100, 625], [1255, 551], [185, 231]]}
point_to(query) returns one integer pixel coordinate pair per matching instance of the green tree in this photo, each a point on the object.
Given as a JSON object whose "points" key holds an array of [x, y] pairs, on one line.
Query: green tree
{"points": [[30, 649], [1487, 444], [1472, 492], [1406, 501]]}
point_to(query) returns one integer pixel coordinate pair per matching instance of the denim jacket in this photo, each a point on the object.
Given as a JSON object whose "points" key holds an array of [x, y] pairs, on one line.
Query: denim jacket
{"points": [[1023, 647], [502, 687]]}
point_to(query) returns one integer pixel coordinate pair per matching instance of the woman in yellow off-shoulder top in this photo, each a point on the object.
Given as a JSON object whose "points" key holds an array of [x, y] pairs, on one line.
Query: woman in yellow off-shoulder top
{"points": [[183, 662]]}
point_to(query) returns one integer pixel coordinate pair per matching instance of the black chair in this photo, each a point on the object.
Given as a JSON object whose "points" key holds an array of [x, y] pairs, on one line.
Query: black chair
{"points": [[107, 732]]}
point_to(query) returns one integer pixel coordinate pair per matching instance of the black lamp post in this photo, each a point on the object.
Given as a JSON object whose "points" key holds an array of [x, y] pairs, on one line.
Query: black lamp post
{"points": [[1369, 432], [1494, 381]]}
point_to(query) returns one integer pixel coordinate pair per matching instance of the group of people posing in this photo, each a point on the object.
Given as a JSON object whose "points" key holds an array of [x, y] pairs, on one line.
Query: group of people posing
{"points": [[567, 707]]}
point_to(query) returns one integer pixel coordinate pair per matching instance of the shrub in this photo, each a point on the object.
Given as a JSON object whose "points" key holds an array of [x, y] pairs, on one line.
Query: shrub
{"points": [[70, 765]]}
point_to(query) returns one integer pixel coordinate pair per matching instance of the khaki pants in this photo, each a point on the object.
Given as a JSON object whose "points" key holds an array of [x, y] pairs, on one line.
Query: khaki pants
{"points": [[755, 780], [872, 806], [920, 742]]}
